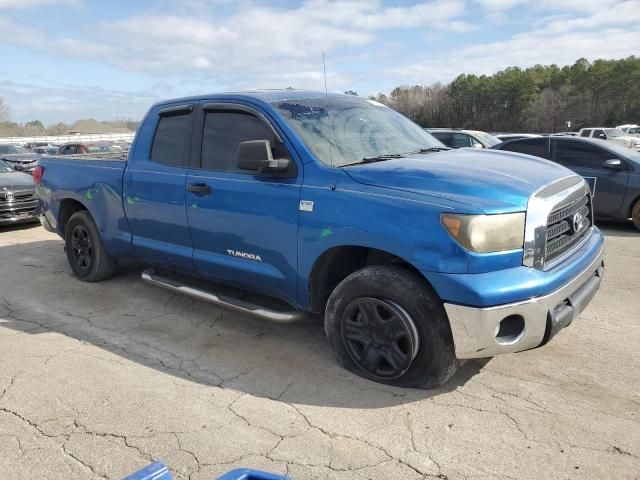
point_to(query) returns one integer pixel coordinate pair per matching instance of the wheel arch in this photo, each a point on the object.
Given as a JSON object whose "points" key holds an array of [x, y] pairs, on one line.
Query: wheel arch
{"points": [[336, 263], [67, 208]]}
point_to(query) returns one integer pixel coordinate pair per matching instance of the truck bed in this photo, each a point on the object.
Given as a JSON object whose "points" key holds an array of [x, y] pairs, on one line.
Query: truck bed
{"points": [[96, 184]]}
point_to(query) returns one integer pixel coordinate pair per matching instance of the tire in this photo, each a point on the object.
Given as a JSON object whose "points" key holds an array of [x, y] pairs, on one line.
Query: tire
{"points": [[386, 324], [85, 251], [635, 215]]}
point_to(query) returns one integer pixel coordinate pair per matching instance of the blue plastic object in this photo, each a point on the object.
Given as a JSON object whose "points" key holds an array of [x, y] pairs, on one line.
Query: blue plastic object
{"points": [[159, 471]]}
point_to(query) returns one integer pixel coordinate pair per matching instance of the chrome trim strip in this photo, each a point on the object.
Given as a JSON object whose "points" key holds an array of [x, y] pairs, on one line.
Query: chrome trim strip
{"points": [[151, 277], [474, 329], [538, 209]]}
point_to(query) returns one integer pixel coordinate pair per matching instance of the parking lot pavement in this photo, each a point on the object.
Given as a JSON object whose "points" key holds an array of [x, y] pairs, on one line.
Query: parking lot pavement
{"points": [[98, 379]]}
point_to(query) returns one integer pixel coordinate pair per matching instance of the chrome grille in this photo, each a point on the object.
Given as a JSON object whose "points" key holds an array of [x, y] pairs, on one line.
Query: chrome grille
{"points": [[566, 226], [559, 217]]}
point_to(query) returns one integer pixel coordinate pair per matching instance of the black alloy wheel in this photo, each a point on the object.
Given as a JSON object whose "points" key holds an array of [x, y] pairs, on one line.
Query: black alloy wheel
{"points": [[380, 337], [82, 248]]}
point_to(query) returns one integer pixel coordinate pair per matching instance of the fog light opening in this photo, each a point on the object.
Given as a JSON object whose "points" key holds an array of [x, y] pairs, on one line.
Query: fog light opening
{"points": [[510, 329]]}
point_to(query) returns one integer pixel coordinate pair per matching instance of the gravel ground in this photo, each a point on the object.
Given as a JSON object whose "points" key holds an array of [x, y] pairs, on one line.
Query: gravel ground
{"points": [[98, 379]]}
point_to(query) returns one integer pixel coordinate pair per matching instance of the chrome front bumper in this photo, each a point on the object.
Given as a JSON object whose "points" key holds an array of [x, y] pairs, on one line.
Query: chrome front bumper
{"points": [[475, 329]]}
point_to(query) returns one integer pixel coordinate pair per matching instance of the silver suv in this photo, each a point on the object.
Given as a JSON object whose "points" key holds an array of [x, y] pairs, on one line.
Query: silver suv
{"points": [[456, 138]]}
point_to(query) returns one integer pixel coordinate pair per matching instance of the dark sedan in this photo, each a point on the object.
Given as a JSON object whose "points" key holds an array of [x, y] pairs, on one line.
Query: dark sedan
{"points": [[612, 171], [18, 201]]}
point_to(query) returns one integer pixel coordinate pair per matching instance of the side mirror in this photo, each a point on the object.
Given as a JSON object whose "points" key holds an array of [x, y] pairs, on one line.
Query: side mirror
{"points": [[256, 155], [477, 145], [603, 136], [612, 164]]}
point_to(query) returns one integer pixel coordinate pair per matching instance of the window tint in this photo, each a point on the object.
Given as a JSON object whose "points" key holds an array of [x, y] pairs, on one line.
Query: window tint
{"points": [[598, 134], [585, 133], [461, 140], [224, 131], [531, 146], [444, 137], [581, 154], [171, 138]]}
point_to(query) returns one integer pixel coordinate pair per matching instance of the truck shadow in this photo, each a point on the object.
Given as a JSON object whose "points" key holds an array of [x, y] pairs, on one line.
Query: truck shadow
{"points": [[189, 339], [618, 229]]}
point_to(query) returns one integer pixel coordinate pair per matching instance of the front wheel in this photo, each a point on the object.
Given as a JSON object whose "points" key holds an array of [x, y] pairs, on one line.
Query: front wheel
{"points": [[635, 215], [386, 323], [86, 254]]}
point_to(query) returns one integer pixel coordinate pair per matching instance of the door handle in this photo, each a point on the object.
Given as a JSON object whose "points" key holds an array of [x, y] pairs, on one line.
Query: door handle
{"points": [[199, 189]]}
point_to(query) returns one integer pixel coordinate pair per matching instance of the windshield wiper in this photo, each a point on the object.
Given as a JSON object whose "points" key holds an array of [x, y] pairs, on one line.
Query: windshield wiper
{"points": [[380, 158], [431, 149]]}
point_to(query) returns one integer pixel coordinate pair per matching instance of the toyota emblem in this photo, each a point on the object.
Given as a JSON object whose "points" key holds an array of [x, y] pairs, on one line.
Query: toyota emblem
{"points": [[577, 221], [8, 196]]}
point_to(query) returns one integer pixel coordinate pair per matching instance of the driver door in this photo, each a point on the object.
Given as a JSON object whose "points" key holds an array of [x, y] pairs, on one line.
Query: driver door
{"points": [[244, 225]]}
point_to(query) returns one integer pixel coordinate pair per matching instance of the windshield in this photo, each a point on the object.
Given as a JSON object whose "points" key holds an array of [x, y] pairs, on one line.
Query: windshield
{"points": [[9, 149], [4, 168], [100, 149], [614, 132], [634, 130], [345, 130], [487, 139]]}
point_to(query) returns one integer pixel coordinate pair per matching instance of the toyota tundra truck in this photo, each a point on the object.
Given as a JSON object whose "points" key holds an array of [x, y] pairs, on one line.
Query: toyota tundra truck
{"points": [[337, 207]]}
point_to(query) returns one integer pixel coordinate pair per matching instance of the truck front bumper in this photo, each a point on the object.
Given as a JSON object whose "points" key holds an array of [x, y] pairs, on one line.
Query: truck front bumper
{"points": [[513, 327]]}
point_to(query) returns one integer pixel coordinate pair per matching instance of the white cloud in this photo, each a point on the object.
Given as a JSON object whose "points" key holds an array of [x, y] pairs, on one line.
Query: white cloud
{"points": [[24, 4]]}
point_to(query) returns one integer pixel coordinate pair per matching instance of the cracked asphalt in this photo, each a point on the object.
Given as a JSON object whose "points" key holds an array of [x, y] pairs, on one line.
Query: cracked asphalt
{"points": [[96, 380]]}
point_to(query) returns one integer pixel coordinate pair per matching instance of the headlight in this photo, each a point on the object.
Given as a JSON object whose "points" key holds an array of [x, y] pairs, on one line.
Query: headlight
{"points": [[486, 233]]}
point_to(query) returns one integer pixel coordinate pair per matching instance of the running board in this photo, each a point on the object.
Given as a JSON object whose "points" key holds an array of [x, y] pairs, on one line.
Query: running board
{"points": [[151, 276]]}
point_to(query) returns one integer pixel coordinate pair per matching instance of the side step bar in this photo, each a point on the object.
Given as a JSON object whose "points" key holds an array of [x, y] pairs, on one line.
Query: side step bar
{"points": [[150, 276]]}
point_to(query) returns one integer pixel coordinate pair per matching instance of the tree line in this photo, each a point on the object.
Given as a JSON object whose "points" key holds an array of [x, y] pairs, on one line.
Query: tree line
{"points": [[538, 99]]}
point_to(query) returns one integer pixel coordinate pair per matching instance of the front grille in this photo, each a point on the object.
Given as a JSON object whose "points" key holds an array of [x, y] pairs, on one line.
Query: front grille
{"points": [[566, 226], [17, 197]]}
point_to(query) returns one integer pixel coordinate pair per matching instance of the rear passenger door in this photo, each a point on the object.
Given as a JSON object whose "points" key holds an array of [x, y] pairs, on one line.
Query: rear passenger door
{"points": [[154, 188], [608, 186], [244, 225]]}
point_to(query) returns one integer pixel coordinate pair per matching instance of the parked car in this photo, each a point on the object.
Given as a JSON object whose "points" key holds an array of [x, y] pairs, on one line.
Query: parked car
{"points": [[18, 157], [32, 145], [564, 134], [612, 135], [455, 138], [503, 137], [417, 257], [633, 130], [612, 171], [18, 201], [75, 148], [45, 150]]}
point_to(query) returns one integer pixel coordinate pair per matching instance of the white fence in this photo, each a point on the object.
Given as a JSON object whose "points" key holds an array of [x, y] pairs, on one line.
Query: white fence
{"points": [[81, 137]]}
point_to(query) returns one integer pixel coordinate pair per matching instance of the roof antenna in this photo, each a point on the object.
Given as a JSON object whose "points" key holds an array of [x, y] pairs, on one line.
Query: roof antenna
{"points": [[326, 96]]}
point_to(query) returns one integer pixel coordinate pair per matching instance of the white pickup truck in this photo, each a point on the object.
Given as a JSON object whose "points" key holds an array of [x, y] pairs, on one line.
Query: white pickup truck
{"points": [[612, 135]]}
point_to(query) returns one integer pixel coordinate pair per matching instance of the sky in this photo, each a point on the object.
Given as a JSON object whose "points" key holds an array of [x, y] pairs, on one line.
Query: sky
{"points": [[62, 60]]}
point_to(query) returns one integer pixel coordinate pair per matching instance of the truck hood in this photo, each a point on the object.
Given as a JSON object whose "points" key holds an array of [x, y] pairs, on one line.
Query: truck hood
{"points": [[15, 181], [491, 180]]}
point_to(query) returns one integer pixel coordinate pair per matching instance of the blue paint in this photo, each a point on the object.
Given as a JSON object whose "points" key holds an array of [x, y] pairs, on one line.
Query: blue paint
{"points": [[143, 210]]}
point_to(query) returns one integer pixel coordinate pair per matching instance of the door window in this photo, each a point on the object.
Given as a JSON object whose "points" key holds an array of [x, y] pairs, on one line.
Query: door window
{"points": [[599, 134], [538, 147], [581, 155], [222, 133], [461, 140], [170, 141], [585, 133], [444, 137]]}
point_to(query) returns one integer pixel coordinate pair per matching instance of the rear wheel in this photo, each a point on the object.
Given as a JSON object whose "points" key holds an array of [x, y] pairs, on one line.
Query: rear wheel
{"points": [[635, 215], [386, 324], [85, 252]]}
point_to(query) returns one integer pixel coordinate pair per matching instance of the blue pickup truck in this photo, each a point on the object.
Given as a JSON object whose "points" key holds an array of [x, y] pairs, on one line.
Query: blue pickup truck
{"points": [[416, 256]]}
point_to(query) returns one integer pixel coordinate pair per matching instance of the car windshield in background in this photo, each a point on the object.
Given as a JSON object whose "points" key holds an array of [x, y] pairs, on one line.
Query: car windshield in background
{"points": [[487, 139], [101, 149], [344, 131], [11, 149], [634, 130], [4, 168], [614, 132]]}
